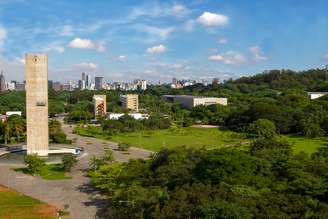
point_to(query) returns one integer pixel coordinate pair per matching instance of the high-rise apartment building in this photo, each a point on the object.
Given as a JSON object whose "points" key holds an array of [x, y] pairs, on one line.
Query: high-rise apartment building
{"points": [[36, 68], [57, 86], [100, 107], [98, 83], [143, 85], [130, 101]]}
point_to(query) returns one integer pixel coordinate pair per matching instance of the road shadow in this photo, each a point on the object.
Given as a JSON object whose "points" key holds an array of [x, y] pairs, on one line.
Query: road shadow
{"points": [[96, 200]]}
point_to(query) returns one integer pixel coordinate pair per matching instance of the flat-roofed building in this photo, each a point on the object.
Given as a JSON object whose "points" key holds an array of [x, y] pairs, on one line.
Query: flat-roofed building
{"points": [[137, 116], [189, 102], [130, 101], [316, 95], [10, 113], [100, 107]]}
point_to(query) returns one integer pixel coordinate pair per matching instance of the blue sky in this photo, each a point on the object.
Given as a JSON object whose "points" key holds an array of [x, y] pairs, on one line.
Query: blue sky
{"points": [[158, 40]]}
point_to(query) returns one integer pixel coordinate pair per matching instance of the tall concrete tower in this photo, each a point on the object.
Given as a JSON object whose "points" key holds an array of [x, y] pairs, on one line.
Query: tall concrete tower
{"points": [[36, 70], [2, 82]]}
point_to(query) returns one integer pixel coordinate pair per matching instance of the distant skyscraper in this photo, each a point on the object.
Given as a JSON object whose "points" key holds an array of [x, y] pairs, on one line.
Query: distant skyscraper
{"points": [[215, 83], [98, 83], [87, 81], [83, 76], [80, 84], [50, 83], [143, 85], [2, 82], [20, 86], [11, 85], [174, 81], [57, 86]]}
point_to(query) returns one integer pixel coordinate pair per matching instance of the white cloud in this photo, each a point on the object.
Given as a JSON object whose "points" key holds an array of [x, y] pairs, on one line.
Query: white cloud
{"points": [[155, 10], [157, 49], [257, 54], [229, 57], [79, 43], [59, 49], [211, 19], [325, 56], [87, 65], [55, 48], [66, 30], [121, 58], [100, 47], [20, 60], [223, 40], [179, 10], [157, 32], [189, 25]]}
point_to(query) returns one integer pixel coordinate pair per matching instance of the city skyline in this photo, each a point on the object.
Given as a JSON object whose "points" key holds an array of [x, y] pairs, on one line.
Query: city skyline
{"points": [[159, 40]]}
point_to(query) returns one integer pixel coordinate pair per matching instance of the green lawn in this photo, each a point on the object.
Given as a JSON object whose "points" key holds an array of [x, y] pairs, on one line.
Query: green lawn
{"points": [[49, 172], [307, 145], [195, 137], [14, 205], [191, 137]]}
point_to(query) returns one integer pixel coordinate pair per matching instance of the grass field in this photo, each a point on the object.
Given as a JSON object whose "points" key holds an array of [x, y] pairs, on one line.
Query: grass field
{"points": [[195, 137], [307, 145], [49, 172], [191, 137], [14, 205]]}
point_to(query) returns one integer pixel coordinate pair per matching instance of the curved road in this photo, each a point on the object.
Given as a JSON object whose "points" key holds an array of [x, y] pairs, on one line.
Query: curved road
{"points": [[76, 194]]}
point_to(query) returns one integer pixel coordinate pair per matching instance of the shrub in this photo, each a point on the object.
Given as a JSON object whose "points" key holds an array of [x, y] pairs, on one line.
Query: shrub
{"points": [[34, 163], [123, 147], [69, 161]]}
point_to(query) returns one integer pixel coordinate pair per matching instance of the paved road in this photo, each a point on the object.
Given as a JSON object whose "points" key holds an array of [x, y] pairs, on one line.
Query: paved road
{"points": [[76, 192]]}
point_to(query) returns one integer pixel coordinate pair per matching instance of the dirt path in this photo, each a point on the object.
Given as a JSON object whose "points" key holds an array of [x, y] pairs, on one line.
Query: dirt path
{"points": [[75, 193]]}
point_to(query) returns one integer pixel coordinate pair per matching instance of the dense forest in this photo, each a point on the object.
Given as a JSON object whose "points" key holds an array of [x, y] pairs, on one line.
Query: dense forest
{"points": [[264, 181]]}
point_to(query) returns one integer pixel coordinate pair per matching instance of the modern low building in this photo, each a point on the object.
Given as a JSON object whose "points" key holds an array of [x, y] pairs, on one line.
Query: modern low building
{"points": [[189, 102], [130, 101], [10, 113], [137, 116], [100, 107], [316, 95]]}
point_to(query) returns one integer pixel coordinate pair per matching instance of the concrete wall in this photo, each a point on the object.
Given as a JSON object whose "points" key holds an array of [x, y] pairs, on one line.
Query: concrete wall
{"points": [[36, 70]]}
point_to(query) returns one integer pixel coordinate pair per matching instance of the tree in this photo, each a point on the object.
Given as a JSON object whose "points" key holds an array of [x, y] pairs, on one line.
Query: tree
{"points": [[34, 163], [56, 135], [69, 161], [262, 128]]}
